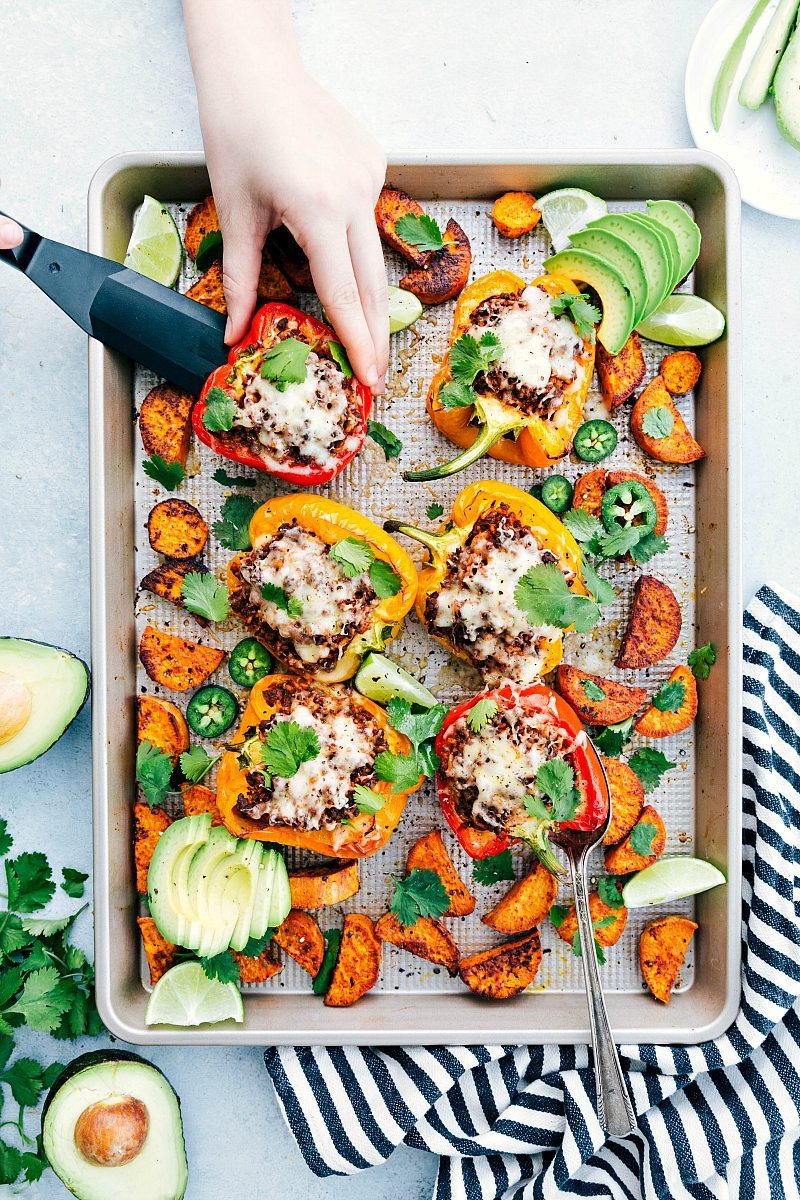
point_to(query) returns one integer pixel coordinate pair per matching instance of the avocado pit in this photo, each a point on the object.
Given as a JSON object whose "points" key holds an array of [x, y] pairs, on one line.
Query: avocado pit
{"points": [[112, 1131]]}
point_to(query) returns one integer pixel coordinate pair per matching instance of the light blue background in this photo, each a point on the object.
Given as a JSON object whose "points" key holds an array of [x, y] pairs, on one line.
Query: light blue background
{"points": [[79, 83]]}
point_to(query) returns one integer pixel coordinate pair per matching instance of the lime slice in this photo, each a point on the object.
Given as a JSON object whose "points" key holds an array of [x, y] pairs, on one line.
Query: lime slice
{"points": [[567, 210], [670, 879], [186, 996], [404, 309], [381, 680], [683, 320], [155, 248]]}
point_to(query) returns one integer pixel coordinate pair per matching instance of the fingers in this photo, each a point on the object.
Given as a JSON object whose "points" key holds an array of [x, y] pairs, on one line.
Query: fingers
{"points": [[10, 234], [370, 274], [243, 243], [332, 271]]}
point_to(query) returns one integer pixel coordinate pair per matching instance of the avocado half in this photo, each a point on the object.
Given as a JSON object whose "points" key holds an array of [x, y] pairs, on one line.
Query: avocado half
{"points": [[42, 690], [112, 1130]]}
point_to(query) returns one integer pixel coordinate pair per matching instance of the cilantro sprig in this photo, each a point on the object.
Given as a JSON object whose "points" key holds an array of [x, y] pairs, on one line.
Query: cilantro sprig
{"points": [[555, 801], [285, 363], [493, 869], [702, 659], [650, 765], [481, 713], [219, 411], [469, 357], [584, 314], [196, 762], [168, 474], [203, 594], [273, 594], [420, 894], [233, 529], [597, 544], [389, 442], [612, 739], [287, 746], [153, 772], [355, 557], [670, 696], [403, 770], [421, 231], [543, 595], [658, 422]]}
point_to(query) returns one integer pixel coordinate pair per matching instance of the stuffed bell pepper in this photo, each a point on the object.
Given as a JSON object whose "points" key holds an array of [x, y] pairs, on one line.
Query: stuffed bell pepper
{"points": [[287, 401], [467, 594], [516, 765], [322, 585], [514, 380], [301, 770]]}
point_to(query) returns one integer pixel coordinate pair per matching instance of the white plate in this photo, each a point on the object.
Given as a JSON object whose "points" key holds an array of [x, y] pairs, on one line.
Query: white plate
{"points": [[767, 166]]}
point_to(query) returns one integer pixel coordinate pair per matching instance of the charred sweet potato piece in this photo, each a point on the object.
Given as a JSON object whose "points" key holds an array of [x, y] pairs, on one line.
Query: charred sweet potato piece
{"points": [[358, 964], [525, 904], [301, 937], [148, 826], [175, 662], [627, 799], [176, 529], [166, 580], [429, 852], [259, 969], [162, 724], [319, 887], [579, 687], [515, 213], [446, 272], [654, 624], [272, 285], [655, 723], [609, 923], [678, 446], [392, 205], [208, 289], [662, 949], [680, 371], [623, 859], [164, 423], [589, 491], [503, 971], [198, 799], [159, 952], [426, 938], [201, 220], [620, 374], [290, 259]]}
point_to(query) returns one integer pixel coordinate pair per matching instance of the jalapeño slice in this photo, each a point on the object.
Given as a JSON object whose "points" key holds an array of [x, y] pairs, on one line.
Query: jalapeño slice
{"points": [[249, 661], [211, 711], [629, 504], [556, 493], [595, 440]]}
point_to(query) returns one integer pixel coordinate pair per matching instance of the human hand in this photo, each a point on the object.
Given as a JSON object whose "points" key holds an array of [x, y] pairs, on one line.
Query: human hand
{"points": [[10, 234]]}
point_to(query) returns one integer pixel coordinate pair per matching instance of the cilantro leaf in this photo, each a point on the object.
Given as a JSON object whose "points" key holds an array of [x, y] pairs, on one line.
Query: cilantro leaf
{"points": [[584, 315], [24, 1077], [582, 525], [598, 949], [205, 595], [257, 946], [642, 837], [493, 869], [29, 882], [73, 882], [47, 927], [542, 594], [209, 249], [417, 727], [384, 579], [233, 530], [322, 979], [220, 409], [658, 422], [6, 840], [556, 780], [647, 547], [434, 511], [222, 476], [401, 770], [558, 914], [12, 935], [353, 555], [287, 746], [420, 230], [168, 474], [649, 765], [592, 690], [536, 807], [368, 800], [223, 967], [33, 1166], [670, 696], [614, 545], [608, 891], [457, 394], [389, 442], [599, 588], [612, 739], [604, 922], [196, 762], [339, 355], [420, 894], [10, 1163], [43, 1000], [481, 714], [468, 357], [153, 772], [285, 363], [278, 596], [700, 660]]}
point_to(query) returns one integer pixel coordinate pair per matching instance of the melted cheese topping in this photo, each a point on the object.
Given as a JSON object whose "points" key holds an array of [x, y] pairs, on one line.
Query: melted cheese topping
{"points": [[323, 782], [536, 344]]}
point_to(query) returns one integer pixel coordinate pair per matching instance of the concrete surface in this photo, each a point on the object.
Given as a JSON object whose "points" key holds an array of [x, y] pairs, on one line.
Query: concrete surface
{"points": [[79, 83]]}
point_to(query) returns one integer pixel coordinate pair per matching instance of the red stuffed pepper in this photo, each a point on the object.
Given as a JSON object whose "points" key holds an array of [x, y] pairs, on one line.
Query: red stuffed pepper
{"points": [[515, 764], [287, 401]]}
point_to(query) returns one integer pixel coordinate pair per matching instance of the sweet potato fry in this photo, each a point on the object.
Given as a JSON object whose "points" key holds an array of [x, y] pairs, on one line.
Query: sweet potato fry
{"points": [[321, 886], [656, 494], [525, 904], [680, 371], [176, 529], [272, 285], [162, 724], [198, 799], [201, 220], [589, 491], [148, 826], [301, 937], [159, 952], [515, 213], [623, 859], [654, 624], [175, 662], [662, 949], [578, 688], [257, 970], [505, 970], [446, 272], [358, 964], [290, 260], [608, 932], [429, 852], [166, 580], [392, 205], [655, 723], [426, 938], [164, 423], [620, 374], [678, 446], [627, 799]]}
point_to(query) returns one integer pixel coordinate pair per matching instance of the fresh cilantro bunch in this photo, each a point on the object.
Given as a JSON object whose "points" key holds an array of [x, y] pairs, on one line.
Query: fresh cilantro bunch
{"points": [[420, 894], [584, 315], [403, 770], [468, 359]]}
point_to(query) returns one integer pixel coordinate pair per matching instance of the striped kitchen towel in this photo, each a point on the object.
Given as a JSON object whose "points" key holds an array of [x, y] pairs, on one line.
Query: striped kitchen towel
{"points": [[720, 1119]]}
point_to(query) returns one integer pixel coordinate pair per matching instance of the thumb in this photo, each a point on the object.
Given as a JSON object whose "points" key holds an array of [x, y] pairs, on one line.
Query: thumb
{"points": [[241, 265]]}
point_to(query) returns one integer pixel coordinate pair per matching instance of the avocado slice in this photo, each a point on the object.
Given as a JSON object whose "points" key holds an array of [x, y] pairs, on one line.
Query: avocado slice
{"points": [[224, 899], [42, 690], [197, 894], [670, 243], [650, 248], [687, 231], [786, 88], [168, 873], [621, 255], [618, 308], [141, 1154]]}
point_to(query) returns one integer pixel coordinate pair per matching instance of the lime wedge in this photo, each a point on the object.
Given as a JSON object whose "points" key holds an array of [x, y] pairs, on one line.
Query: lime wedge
{"points": [[568, 210], [186, 996], [155, 248], [404, 309], [683, 320], [381, 680], [670, 879]]}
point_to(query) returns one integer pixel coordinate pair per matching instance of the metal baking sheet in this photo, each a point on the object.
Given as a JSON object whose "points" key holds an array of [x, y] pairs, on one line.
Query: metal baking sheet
{"points": [[409, 985]]}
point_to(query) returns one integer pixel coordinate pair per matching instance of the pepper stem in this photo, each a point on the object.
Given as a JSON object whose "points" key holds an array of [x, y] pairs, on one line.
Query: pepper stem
{"points": [[488, 435], [431, 540], [535, 833]]}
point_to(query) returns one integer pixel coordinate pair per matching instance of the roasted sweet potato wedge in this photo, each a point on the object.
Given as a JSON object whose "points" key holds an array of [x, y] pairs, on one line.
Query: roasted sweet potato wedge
{"points": [[677, 446], [589, 491], [159, 952], [609, 923], [198, 799], [301, 937], [175, 662], [515, 213], [257, 970], [176, 529], [166, 580], [201, 220], [321, 886], [290, 260], [654, 624], [447, 270], [526, 903], [358, 964], [148, 826], [503, 971], [392, 205], [662, 949], [580, 689], [656, 494], [627, 799], [164, 423], [623, 859], [272, 285], [658, 722], [680, 372], [162, 724], [426, 938], [620, 374], [429, 852]]}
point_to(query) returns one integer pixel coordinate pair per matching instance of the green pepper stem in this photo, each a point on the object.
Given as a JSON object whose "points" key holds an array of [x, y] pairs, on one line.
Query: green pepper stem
{"points": [[535, 833], [487, 437], [431, 540]]}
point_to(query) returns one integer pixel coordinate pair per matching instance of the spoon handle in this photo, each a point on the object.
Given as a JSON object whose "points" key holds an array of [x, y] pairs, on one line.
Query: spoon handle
{"points": [[614, 1108]]}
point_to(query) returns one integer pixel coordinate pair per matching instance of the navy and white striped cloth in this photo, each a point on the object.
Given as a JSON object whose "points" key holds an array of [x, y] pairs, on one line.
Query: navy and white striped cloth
{"points": [[721, 1119]]}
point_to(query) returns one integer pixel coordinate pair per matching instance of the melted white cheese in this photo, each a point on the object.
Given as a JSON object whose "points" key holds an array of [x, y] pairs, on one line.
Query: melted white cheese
{"points": [[536, 344], [324, 782], [501, 769]]}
